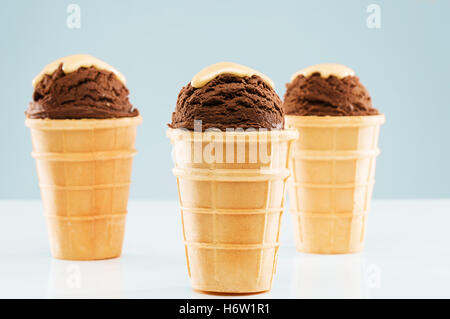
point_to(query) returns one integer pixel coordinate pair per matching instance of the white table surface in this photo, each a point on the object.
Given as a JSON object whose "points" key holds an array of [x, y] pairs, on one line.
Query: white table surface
{"points": [[407, 255]]}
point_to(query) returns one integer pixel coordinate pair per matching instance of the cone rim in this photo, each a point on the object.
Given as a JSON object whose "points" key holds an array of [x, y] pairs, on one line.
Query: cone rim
{"points": [[284, 134], [79, 124], [336, 121]]}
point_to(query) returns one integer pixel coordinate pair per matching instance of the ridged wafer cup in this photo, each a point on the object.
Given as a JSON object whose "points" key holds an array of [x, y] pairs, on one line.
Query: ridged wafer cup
{"points": [[333, 173], [84, 169], [231, 211]]}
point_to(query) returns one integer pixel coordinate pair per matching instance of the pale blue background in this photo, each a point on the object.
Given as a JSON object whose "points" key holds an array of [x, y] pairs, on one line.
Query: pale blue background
{"points": [[160, 46]]}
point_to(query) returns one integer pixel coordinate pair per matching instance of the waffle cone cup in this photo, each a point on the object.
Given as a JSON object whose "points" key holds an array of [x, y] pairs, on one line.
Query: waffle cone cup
{"points": [[231, 206], [84, 170], [333, 170]]}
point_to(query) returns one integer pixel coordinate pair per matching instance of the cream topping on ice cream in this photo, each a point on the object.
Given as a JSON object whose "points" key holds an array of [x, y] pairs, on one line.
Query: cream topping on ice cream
{"points": [[81, 87], [326, 69], [327, 90], [72, 63], [212, 71]]}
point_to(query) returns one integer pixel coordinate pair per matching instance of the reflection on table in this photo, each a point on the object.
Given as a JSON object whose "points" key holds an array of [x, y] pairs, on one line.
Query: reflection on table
{"points": [[333, 276], [85, 279]]}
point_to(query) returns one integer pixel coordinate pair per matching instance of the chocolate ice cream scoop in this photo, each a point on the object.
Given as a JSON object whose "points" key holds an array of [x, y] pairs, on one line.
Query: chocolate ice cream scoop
{"points": [[80, 87], [327, 89], [228, 95]]}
